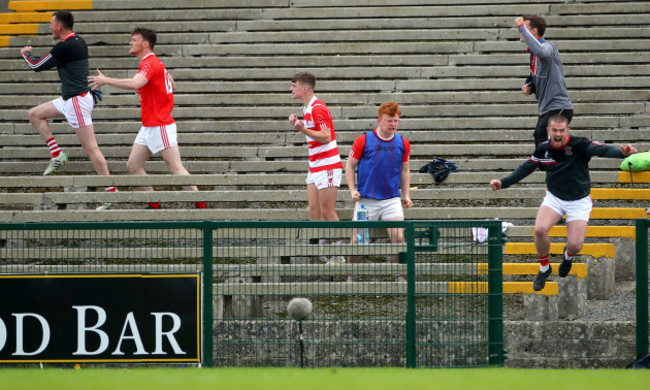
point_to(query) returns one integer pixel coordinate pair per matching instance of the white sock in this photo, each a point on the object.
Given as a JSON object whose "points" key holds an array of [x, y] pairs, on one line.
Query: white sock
{"points": [[543, 268], [566, 255]]}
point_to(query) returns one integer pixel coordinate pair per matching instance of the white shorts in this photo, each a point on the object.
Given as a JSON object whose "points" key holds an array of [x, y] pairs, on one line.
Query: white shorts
{"points": [[77, 110], [573, 209], [380, 210], [325, 179], [157, 138]]}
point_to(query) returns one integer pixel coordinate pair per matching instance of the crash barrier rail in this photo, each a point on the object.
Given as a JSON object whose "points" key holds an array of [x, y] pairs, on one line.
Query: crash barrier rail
{"points": [[423, 302]]}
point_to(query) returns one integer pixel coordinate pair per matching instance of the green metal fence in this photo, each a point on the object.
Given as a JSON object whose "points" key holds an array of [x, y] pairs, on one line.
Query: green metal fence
{"points": [[431, 299], [642, 226]]}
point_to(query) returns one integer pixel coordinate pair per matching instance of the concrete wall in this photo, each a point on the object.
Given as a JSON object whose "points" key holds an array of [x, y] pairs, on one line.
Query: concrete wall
{"points": [[551, 344]]}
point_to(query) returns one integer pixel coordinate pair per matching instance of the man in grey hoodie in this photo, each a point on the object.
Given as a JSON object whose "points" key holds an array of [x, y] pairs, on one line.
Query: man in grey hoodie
{"points": [[546, 79]]}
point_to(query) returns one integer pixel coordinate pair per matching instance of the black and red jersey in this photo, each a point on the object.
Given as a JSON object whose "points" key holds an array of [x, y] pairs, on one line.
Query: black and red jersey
{"points": [[70, 56]]}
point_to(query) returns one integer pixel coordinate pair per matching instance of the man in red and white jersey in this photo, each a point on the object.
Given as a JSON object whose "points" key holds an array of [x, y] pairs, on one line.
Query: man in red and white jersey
{"points": [[325, 166], [155, 86]]}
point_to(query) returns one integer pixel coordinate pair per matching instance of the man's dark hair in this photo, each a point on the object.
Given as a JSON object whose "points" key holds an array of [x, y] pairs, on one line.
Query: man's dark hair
{"points": [[65, 18], [147, 34], [305, 78], [537, 22]]}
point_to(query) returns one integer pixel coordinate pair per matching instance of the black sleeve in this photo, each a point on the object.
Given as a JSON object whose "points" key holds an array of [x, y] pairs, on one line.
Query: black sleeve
{"points": [[48, 61], [519, 174], [604, 151]]}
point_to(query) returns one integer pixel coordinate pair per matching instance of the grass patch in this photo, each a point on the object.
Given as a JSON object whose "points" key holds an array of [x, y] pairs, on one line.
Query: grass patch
{"points": [[324, 378]]}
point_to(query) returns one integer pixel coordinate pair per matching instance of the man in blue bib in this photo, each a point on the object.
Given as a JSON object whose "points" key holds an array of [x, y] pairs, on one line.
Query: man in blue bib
{"points": [[381, 159]]}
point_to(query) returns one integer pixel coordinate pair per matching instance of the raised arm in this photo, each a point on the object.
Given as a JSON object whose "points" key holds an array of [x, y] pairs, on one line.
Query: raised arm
{"points": [[38, 64]]}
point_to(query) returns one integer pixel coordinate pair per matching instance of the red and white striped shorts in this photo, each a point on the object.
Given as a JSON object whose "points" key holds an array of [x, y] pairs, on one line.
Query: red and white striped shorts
{"points": [[77, 110], [157, 138]]}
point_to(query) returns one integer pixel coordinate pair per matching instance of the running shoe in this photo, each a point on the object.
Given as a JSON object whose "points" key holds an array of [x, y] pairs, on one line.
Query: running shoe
{"points": [[56, 163], [540, 279], [565, 265]]}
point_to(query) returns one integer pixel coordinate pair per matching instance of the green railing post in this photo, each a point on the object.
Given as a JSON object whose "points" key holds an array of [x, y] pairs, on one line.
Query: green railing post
{"points": [[495, 295], [208, 319], [410, 297], [642, 287]]}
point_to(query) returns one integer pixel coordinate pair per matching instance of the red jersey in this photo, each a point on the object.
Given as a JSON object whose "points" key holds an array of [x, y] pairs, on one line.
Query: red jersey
{"points": [[326, 156], [157, 96]]}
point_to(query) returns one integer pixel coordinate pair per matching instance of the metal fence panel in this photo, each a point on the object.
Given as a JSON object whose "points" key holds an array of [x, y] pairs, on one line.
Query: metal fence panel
{"points": [[432, 299]]}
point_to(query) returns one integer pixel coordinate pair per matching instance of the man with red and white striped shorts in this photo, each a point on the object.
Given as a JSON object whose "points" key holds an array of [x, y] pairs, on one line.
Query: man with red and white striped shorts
{"points": [[70, 57], [325, 166], [155, 86]]}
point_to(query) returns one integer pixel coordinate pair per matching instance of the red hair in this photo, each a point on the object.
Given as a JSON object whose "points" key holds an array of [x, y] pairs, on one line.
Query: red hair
{"points": [[390, 109]]}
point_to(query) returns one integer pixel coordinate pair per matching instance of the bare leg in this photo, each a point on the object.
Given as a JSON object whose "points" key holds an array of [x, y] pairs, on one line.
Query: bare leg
{"points": [[327, 203], [314, 203], [396, 236], [88, 141], [576, 231], [546, 219], [139, 155], [172, 158], [39, 115]]}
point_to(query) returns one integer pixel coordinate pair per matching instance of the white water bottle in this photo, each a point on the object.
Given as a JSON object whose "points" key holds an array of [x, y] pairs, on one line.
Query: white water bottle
{"points": [[363, 234]]}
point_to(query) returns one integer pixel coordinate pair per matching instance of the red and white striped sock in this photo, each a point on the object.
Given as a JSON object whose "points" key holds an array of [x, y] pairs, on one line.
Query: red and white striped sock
{"points": [[110, 189], [544, 263], [54, 147]]}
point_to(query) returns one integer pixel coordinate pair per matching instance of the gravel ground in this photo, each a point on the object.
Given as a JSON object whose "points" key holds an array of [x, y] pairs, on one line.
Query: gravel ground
{"points": [[620, 307]]}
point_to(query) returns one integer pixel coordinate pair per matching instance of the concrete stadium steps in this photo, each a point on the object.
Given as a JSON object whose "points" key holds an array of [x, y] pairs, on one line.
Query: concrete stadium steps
{"points": [[288, 179], [24, 138], [489, 125], [579, 270], [455, 68], [483, 195], [256, 214], [123, 64]]}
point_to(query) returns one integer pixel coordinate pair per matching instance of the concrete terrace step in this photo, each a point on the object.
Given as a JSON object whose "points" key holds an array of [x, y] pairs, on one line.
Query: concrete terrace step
{"points": [[350, 112], [357, 73], [284, 61], [265, 270], [453, 213], [550, 289], [281, 179], [499, 167], [584, 124], [592, 232], [418, 151], [368, 86], [115, 97], [271, 196], [222, 33]]}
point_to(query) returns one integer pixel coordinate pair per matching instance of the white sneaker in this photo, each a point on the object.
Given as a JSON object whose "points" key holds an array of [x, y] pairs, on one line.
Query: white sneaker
{"points": [[104, 206], [56, 163]]}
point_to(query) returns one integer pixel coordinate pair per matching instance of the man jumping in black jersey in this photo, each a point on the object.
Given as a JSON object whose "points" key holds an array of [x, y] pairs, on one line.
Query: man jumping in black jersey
{"points": [[568, 186], [70, 57]]}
